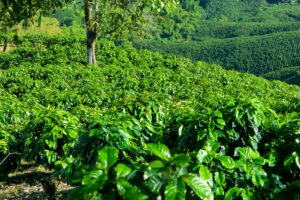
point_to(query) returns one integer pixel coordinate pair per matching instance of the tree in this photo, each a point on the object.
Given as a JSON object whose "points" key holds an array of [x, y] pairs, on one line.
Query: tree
{"points": [[12, 12], [101, 16], [104, 17]]}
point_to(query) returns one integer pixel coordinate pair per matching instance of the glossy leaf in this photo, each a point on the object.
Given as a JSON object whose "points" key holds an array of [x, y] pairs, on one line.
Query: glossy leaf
{"points": [[175, 190], [219, 177], [156, 164], [199, 186], [154, 183], [107, 157], [160, 150], [181, 160], [233, 193], [201, 154], [204, 172], [122, 170], [129, 192], [226, 161]]}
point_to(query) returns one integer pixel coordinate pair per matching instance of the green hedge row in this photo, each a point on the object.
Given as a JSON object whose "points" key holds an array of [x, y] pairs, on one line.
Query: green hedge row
{"points": [[46, 40], [256, 54], [290, 75], [211, 29]]}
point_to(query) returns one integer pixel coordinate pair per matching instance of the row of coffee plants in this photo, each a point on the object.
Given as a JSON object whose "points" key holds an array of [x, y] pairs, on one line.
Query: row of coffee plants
{"points": [[289, 75], [141, 125], [222, 30], [256, 54]]}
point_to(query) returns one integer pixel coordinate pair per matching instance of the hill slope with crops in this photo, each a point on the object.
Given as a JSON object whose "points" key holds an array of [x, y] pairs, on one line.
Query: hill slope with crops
{"points": [[143, 125]]}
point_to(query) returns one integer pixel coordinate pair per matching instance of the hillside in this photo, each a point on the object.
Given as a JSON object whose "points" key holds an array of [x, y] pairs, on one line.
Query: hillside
{"points": [[290, 75], [147, 99], [208, 22], [253, 54], [144, 117]]}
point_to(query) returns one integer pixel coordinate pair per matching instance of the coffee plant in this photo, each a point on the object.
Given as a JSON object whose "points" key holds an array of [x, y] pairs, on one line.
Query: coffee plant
{"points": [[142, 125]]}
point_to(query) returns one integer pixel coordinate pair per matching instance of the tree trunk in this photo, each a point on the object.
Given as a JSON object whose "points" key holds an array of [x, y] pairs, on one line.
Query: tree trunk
{"points": [[91, 32], [40, 20], [91, 53], [5, 44]]}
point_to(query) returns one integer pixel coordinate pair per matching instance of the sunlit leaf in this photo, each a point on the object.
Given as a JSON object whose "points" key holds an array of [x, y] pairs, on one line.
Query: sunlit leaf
{"points": [[107, 157], [199, 186], [226, 161], [175, 190], [160, 150], [122, 170], [204, 172]]}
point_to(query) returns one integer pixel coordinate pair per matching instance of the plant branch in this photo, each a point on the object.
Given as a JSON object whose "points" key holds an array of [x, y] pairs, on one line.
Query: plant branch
{"points": [[10, 154]]}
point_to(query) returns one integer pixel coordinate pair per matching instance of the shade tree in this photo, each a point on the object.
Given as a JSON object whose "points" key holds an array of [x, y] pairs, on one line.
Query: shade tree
{"points": [[102, 17]]}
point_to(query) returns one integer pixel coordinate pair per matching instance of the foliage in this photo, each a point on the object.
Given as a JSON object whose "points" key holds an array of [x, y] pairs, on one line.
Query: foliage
{"points": [[257, 54], [143, 125], [278, 13], [14, 12], [231, 10], [290, 75], [222, 30], [47, 26]]}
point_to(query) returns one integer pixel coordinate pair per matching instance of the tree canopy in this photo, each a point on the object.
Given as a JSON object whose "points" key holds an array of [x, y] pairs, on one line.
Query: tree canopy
{"points": [[18, 10], [101, 16]]}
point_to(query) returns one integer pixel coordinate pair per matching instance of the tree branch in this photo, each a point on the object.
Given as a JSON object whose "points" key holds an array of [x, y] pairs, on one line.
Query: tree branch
{"points": [[10, 154]]}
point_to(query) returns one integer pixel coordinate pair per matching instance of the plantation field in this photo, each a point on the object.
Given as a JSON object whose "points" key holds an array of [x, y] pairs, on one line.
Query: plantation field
{"points": [[290, 75], [142, 125], [256, 54], [222, 30]]}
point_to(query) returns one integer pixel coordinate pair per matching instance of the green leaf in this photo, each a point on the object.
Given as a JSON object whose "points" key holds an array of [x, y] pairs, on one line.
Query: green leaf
{"points": [[247, 195], [51, 143], [149, 126], [3, 146], [256, 179], [160, 150], [204, 172], [298, 161], [219, 114], [221, 122], [226, 161], [288, 160], [122, 170], [201, 154], [244, 153], [154, 183], [233, 193], [156, 164], [219, 191], [51, 156], [94, 180], [175, 190], [219, 177], [130, 192], [181, 160], [199, 186], [91, 176], [107, 157]]}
